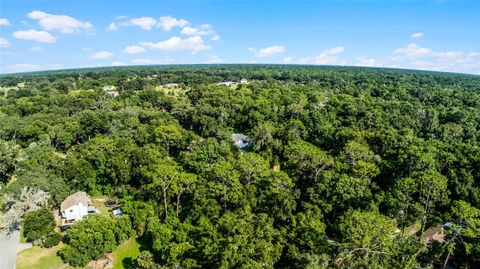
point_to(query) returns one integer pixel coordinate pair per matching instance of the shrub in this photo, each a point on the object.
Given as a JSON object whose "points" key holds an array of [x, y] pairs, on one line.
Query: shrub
{"points": [[88, 239], [38, 224], [52, 240]]}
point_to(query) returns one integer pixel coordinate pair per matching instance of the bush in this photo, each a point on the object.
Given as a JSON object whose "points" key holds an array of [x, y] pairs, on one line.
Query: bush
{"points": [[123, 229], [52, 240], [88, 239], [38, 224]]}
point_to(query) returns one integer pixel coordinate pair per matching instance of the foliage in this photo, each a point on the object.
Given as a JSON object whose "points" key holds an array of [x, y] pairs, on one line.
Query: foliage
{"points": [[341, 162], [88, 239], [52, 239], [38, 224]]}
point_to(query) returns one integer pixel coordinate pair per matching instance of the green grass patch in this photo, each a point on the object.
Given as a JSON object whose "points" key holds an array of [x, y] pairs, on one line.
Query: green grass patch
{"points": [[126, 253], [99, 203], [40, 258], [22, 237]]}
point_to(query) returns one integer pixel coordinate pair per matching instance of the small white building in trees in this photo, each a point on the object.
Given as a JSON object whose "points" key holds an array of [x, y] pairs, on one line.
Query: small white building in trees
{"points": [[240, 140], [75, 207]]}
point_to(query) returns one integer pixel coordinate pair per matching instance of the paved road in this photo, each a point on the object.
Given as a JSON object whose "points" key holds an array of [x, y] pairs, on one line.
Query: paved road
{"points": [[9, 247]]}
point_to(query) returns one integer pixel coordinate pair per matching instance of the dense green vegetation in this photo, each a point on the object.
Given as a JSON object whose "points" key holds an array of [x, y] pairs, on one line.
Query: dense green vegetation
{"points": [[38, 224], [342, 163]]}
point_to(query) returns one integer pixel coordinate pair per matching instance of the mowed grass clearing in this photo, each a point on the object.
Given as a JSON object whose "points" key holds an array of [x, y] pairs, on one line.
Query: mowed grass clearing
{"points": [[127, 251], [40, 258]]}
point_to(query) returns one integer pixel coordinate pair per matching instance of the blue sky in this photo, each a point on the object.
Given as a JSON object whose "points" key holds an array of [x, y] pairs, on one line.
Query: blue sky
{"points": [[56, 34]]}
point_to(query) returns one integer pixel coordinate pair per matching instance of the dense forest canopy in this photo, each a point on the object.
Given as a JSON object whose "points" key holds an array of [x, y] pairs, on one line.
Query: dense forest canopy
{"points": [[345, 167]]}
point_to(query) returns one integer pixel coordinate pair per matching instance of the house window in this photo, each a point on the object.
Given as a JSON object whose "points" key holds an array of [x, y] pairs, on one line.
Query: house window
{"points": [[71, 210]]}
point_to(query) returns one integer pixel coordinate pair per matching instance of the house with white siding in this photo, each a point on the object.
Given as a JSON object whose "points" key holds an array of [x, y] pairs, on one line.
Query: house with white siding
{"points": [[75, 207]]}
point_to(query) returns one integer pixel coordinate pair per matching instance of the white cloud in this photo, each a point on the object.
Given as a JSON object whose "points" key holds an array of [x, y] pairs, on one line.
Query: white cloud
{"points": [[413, 51], [215, 60], [168, 22], [269, 51], [63, 23], [133, 49], [4, 22], [415, 56], [329, 56], [23, 68], [364, 61], [192, 44], [417, 35], [153, 61], [287, 60], [101, 55], [39, 36], [187, 30], [215, 38], [36, 48], [4, 42], [57, 66], [118, 63], [146, 23], [112, 27]]}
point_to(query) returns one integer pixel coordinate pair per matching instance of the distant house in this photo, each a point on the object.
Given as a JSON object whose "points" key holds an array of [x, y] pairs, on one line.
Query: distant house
{"points": [[75, 207], [243, 81], [240, 140], [117, 212], [434, 234], [170, 85], [226, 83], [110, 89]]}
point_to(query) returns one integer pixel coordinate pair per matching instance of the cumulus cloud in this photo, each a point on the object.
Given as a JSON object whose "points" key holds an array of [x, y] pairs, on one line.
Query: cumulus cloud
{"points": [[133, 49], [153, 61], [287, 60], [22, 68], [415, 56], [4, 42], [413, 50], [364, 61], [417, 35], [168, 22], [101, 55], [4, 22], [118, 63], [187, 30], [146, 23], [269, 51], [63, 23], [193, 44], [39, 36], [329, 56], [215, 38], [112, 27], [214, 60]]}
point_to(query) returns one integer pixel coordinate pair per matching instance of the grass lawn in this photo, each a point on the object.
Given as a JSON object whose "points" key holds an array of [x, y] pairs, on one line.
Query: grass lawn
{"points": [[99, 203], [128, 251], [22, 238], [40, 258]]}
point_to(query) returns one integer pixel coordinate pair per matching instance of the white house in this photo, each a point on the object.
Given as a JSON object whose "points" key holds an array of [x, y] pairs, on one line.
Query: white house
{"points": [[226, 83], [75, 207], [170, 85], [110, 89], [240, 140]]}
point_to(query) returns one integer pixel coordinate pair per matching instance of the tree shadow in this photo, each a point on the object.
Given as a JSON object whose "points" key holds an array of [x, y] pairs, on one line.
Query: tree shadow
{"points": [[130, 263]]}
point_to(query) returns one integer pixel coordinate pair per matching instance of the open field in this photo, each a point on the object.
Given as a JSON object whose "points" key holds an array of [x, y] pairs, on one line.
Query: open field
{"points": [[40, 258], [126, 253]]}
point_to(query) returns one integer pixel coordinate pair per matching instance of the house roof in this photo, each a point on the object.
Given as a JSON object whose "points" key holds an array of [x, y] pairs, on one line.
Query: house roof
{"points": [[78, 197], [239, 137], [434, 234]]}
